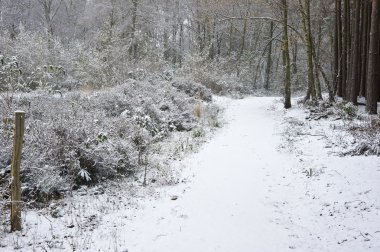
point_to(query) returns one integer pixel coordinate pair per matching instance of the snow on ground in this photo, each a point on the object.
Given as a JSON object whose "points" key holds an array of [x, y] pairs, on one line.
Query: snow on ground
{"points": [[253, 187]]}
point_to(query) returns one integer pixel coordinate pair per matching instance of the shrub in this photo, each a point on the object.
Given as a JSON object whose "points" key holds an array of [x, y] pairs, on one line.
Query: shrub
{"points": [[347, 110], [83, 138], [198, 132]]}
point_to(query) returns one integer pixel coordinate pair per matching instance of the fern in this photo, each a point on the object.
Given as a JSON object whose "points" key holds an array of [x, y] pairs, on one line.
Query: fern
{"points": [[84, 175]]}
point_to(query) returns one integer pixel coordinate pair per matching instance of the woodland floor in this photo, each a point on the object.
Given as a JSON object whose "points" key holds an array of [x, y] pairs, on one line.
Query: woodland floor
{"points": [[252, 187]]}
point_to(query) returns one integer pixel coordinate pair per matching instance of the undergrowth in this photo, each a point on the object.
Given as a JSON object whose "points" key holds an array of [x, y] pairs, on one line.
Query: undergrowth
{"points": [[84, 138]]}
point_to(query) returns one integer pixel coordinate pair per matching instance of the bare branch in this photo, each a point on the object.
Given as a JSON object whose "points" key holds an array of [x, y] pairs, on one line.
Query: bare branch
{"points": [[225, 18]]}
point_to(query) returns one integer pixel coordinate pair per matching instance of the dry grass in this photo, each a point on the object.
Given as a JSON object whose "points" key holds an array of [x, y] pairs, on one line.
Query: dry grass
{"points": [[198, 110]]}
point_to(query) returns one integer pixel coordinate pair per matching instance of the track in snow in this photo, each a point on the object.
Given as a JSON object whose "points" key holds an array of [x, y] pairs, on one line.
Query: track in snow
{"points": [[227, 206], [246, 196]]}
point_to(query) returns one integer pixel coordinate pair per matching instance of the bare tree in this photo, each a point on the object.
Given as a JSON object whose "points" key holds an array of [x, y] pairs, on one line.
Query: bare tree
{"points": [[49, 11]]}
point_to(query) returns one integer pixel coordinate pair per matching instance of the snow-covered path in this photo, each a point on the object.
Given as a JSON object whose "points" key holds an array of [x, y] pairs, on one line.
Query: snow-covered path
{"points": [[242, 192], [245, 195], [225, 207], [248, 196]]}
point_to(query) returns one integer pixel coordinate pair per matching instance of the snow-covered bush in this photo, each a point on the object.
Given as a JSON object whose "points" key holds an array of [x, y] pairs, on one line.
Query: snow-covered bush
{"points": [[86, 137], [366, 132], [222, 77], [198, 132], [47, 64], [192, 88], [347, 110], [367, 147]]}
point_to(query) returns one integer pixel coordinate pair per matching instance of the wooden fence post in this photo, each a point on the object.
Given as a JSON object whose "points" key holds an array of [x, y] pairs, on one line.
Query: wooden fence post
{"points": [[15, 173]]}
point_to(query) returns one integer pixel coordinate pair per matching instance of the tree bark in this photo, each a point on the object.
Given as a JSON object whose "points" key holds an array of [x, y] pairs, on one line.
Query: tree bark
{"points": [[316, 50], [355, 56], [243, 37], [231, 34], [349, 50], [311, 92], [373, 61], [336, 47], [286, 56], [339, 87], [269, 57], [344, 50], [134, 47], [364, 47]]}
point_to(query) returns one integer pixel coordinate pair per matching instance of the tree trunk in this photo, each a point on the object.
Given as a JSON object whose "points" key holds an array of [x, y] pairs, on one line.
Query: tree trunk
{"points": [[339, 84], [199, 27], [181, 38], [243, 36], [336, 49], [311, 92], [344, 50], [373, 62], [316, 50], [231, 34], [318, 68], [165, 37], [286, 56], [294, 62], [213, 41], [349, 52], [269, 57], [355, 56], [133, 48], [364, 47]]}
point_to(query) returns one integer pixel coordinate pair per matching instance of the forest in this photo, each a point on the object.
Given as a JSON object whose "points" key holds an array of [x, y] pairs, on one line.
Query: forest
{"points": [[118, 89], [329, 46]]}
